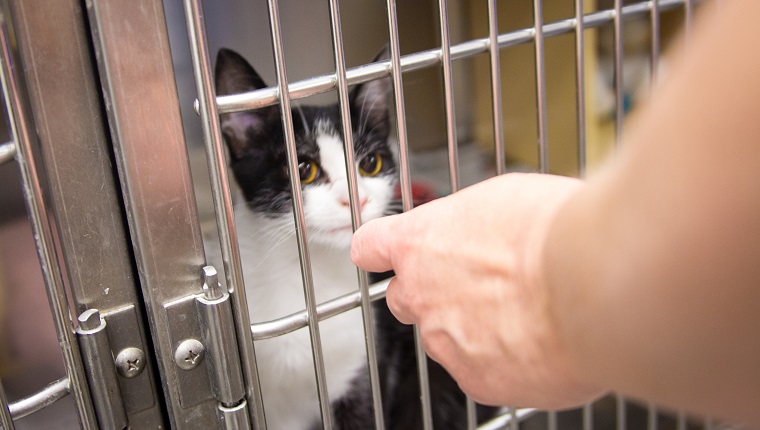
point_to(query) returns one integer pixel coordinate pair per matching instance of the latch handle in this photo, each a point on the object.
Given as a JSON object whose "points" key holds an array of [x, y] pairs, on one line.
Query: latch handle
{"points": [[101, 372]]}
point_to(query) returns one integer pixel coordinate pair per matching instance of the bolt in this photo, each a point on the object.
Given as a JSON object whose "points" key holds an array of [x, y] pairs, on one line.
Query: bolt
{"points": [[130, 362], [189, 354], [212, 290]]}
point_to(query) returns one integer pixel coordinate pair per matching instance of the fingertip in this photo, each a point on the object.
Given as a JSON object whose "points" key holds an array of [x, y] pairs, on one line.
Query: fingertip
{"points": [[356, 247], [369, 247]]}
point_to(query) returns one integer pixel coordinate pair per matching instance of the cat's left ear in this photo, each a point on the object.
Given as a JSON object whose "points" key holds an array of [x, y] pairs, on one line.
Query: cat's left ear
{"points": [[369, 102], [233, 75]]}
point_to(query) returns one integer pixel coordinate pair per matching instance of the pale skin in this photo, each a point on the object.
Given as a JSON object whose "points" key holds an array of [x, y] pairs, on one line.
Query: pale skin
{"points": [[542, 291]]}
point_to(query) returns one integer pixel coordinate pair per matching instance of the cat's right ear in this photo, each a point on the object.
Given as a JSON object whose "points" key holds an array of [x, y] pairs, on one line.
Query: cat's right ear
{"points": [[233, 75]]}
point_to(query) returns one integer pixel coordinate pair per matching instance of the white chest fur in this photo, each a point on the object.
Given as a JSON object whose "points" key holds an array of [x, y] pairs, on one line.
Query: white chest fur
{"points": [[274, 289]]}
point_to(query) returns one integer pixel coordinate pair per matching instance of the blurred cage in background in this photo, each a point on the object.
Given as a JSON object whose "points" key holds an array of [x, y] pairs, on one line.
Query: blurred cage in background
{"points": [[112, 172]]}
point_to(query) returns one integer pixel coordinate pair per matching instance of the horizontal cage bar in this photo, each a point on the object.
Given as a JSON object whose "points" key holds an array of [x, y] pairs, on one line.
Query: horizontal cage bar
{"points": [[41, 399], [7, 152], [357, 75], [331, 308]]}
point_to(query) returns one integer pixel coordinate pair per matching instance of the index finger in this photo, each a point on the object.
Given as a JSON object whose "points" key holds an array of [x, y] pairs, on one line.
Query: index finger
{"points": [[373, 244]]}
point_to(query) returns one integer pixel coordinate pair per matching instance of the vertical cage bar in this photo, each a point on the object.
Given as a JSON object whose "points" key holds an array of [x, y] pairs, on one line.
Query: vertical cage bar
{"points": [[618, 40], [551, 420], [225, 217], [493, 49], [689, 18], [448, 88], [406, 194], [651, 417], [709, 424], [655, 36], [514, 422], [472, 414], [43, 235], [620, 412], [356, 219], [398, 94], [588, 416], [298, 213], [681, 421], [5, 413], [538, 27], [580, 86]]}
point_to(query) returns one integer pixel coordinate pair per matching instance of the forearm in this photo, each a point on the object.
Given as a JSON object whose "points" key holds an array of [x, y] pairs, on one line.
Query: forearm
{"points": [[654, 265]]}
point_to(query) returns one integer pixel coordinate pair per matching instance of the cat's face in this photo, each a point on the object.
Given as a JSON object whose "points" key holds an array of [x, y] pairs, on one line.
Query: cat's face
{"points": [[259, 162]]}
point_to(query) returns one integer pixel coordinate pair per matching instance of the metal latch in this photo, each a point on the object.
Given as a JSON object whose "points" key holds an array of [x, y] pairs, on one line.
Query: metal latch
{"points": [[101, 372], [118, 372], [205, 349]]}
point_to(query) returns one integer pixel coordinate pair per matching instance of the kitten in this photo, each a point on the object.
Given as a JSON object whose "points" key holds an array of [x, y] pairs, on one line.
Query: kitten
{"points": [[272, 272], [267, 238]]}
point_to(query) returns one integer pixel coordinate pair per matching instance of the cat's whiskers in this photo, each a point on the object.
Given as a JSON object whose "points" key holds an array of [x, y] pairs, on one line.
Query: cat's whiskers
{"points": [[272, 239], [363, 124], [303, 119], [275, 235]]}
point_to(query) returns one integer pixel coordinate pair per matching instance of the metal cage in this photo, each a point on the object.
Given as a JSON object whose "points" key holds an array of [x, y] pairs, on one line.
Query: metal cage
{"points": [[98, 130]]}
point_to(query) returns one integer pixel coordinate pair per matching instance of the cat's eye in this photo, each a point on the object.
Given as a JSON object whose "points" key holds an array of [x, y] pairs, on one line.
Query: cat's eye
{"points": [[308, 171], [371, 164]]}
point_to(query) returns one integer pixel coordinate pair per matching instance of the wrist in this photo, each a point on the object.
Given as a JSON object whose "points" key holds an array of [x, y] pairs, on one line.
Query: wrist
{"points": [[562, 275]]}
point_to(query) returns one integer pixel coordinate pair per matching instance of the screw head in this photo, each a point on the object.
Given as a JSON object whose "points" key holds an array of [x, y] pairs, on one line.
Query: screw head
{"points": [[130, 362], [189, 354]]}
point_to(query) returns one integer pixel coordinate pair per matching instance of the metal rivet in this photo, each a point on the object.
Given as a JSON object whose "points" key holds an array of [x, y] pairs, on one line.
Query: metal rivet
{"points": [[189, 354], [130, 362]]}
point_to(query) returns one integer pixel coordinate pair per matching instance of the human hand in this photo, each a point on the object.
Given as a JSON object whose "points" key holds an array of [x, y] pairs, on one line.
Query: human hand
{"points": [[469, 274]]}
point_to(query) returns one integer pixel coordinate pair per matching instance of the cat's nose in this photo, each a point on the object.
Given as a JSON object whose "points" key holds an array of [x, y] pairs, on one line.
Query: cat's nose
{"points": [[362, 202]]}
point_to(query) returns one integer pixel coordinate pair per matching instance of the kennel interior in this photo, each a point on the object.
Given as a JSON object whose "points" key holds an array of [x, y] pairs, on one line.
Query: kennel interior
{"points": [[114, 174]]}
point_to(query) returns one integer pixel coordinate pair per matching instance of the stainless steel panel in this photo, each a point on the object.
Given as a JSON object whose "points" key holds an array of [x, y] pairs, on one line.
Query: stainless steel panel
{"points": [[141, 102], [22, 134], [85, 196]]}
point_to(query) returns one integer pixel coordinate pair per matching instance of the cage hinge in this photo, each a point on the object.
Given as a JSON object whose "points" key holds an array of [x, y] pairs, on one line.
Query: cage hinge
{"points": [[118, 372], [101, 372], [206, 352]]}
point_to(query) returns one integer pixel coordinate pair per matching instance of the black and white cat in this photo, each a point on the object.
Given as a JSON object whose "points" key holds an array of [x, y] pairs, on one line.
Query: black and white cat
{"points": [[272, 273], [267, 237]]}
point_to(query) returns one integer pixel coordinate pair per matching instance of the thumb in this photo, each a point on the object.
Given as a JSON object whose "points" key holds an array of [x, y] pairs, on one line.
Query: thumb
{"points": [[373, 244]]}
